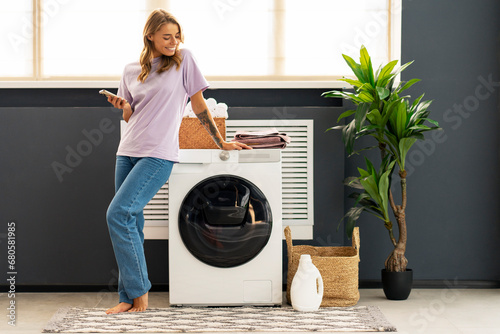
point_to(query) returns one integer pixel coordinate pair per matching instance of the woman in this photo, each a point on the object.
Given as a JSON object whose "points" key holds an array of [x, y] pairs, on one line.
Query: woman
{"points": [[153, 94]]}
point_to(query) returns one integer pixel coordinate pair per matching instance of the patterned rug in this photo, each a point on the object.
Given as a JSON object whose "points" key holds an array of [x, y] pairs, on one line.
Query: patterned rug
{"points": [[223, 319]]}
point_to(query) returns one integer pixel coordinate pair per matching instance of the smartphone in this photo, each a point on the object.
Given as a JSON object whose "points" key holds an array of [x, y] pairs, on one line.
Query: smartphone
{"points": [[105, 92]]}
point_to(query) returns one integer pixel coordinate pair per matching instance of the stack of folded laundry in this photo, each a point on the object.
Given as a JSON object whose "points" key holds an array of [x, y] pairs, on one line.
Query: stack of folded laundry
{"points": [[271, 138]]}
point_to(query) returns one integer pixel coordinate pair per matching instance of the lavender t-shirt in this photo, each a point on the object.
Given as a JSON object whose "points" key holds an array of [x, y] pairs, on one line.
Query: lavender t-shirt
{"points": [[158, 104]]}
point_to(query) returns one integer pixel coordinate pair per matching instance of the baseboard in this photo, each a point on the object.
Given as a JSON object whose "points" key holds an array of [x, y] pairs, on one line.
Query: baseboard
{"points": [[363, 284], [438, 284]]}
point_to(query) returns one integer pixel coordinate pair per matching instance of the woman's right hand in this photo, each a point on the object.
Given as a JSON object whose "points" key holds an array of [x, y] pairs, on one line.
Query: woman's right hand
{"points": [[121, 103]]}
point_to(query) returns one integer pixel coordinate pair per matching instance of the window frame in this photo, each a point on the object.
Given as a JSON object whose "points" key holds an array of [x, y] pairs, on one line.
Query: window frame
{"points": [[216, 82]]}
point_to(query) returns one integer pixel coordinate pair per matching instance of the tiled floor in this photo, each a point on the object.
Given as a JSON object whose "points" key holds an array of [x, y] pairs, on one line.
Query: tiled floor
{"points": [[440, 311]]}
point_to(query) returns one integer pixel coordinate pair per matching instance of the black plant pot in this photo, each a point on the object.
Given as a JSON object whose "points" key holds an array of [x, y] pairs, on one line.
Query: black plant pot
{"points": [[397, 285]]}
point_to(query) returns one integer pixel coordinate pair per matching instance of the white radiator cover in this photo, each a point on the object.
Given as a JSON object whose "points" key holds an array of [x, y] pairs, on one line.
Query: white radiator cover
{"points": [[297, 179]]}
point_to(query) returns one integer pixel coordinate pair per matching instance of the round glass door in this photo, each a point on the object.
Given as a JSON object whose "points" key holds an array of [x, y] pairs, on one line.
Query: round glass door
{"points": [[225, 221]]}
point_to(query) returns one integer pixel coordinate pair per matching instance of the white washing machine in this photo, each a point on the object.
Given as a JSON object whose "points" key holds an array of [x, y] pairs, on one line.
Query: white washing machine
{"points": [[225, 230]]}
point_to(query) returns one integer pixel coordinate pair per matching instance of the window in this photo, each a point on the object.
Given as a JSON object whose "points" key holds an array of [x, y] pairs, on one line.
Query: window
{"points": [[228, 37], [17, 42], [234, 40], [317, 34], [89, 38]]}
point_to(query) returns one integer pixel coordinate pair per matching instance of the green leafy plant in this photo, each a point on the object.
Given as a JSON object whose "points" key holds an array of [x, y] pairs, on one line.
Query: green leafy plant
{"points": [[384, 113]]}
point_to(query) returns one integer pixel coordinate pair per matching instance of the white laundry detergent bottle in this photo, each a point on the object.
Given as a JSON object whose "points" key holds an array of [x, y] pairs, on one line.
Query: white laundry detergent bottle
{"points": [[306, 292]]}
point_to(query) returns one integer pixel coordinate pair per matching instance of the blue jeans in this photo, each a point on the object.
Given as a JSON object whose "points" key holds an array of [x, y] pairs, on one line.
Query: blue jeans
{"points": [[137, 180]]}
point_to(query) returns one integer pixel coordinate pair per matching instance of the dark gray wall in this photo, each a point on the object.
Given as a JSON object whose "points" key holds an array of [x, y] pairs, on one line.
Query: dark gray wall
{"points": [[457, 54], [61, 234], [453, 215]]}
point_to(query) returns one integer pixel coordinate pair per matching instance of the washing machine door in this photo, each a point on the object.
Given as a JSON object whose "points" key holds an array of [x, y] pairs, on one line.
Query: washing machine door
{"points": [[225, 221]]}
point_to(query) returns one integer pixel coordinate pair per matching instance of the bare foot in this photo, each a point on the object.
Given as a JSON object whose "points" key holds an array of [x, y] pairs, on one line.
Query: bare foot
{"points": [[122, 307], [140, 303]]}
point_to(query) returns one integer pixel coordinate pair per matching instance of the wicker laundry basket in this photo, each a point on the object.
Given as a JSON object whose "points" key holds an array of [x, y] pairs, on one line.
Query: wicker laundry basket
{"points": [[338, 266], [192, 134]]}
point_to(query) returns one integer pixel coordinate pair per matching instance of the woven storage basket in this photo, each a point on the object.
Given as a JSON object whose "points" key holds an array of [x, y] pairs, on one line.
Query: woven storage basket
{"points": [[338, 267], [192, 134]]}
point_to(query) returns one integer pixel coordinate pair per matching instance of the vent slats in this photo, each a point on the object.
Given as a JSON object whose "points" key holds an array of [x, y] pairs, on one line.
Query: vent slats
{"points": [[156, 218], [156, 211], [297, 190]]}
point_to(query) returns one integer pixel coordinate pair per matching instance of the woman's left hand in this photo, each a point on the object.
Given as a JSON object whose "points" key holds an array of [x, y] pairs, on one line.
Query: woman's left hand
{"points": [[234, 145]]}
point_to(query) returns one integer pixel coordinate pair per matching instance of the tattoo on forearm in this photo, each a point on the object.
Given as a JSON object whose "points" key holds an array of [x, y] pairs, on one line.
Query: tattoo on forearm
{"points": [[209, 124]]}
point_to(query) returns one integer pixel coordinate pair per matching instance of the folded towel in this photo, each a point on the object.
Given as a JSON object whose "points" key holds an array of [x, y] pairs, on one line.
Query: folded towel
{"points": [[269, 142], [211, 103], [216, 109], [264, 139], [188, 111], [220, 110]]}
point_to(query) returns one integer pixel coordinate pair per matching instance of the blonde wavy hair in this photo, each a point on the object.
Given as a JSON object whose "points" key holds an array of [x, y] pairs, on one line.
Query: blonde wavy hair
{"points": [[156, 19]]}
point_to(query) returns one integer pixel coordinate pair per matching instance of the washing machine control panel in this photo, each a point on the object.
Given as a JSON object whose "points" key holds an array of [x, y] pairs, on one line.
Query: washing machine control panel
{"points": [[235, 156], [219, 156]]}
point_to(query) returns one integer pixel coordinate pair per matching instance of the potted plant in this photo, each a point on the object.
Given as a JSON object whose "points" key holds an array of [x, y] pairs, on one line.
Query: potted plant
{"points": [[384, 113]]}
